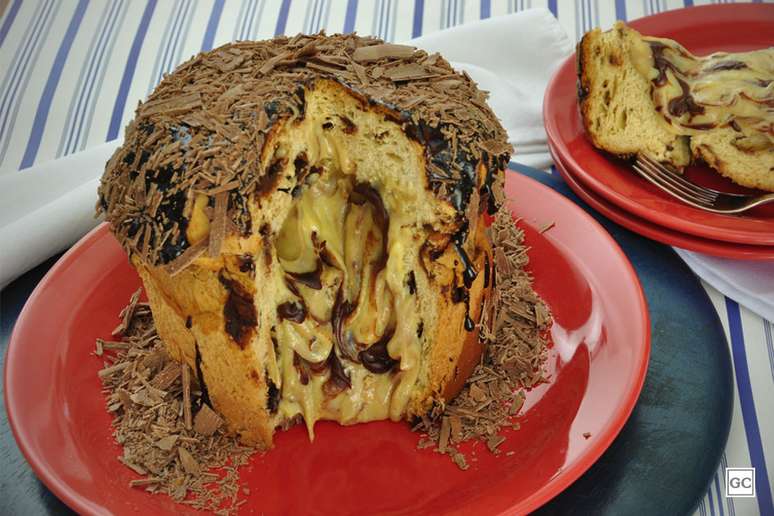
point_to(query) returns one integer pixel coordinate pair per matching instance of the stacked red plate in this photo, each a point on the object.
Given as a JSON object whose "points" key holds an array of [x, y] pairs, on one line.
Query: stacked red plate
{"points": [[611, 187]]}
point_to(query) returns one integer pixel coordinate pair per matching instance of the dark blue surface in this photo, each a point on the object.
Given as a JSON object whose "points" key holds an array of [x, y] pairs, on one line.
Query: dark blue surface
{"points": [[666, 454], [664, 459]]}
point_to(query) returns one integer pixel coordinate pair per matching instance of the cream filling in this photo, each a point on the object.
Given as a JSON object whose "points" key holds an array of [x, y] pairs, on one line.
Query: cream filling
{"points": [[694, 94], [355, 263], [333, 233]]}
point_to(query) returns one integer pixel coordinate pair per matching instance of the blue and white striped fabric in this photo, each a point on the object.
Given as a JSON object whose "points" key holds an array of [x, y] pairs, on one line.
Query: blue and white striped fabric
{"points": [[73, 71]]}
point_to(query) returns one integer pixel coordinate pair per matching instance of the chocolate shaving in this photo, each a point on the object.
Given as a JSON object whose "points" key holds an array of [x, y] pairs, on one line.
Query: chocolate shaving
{"points": [[186, 396], [218, 224], [171, 106], [188, 257], [108, 371], [408, 72], [496, 147], [383, 51], [207, 421], [126, 315], [167, 443], [231, 185], [141, 482], [443, 439], [188, 462], [167, 376]]}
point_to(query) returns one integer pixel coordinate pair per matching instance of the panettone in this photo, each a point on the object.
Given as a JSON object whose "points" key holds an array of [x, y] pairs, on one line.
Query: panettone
{"points": [[641, 94], [308, 216]]}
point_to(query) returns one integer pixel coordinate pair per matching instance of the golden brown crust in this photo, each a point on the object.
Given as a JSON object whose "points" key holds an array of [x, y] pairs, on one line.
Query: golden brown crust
{"points": [[584, 82], [189, 316], [452, 365]]}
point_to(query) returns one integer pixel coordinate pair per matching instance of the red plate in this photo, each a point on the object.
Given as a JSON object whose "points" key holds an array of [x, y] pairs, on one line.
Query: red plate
{"points": [[660, 233], [601, 343], [701, 30]]}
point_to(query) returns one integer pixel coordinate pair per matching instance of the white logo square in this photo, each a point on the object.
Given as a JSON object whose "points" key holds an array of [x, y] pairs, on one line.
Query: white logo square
{"points": [[740, 482]]}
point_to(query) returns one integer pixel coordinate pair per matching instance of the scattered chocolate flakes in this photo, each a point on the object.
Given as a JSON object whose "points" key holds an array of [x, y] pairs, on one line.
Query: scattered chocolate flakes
{"points": [[383, 51], [513, 328], [187, 396], [546, 227], [173, 105], [141, 482], [189, 463], [207, 421], [443, 439], [167, 376], [109, 371], [516, 405], [496, 147], [126, 314], [458, 458], [144, 393], [168, 442], [218, 224], [409, 72], [493, 442], [185, 259]]}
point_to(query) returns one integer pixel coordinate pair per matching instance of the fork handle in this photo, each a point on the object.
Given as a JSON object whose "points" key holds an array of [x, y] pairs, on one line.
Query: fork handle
{"points": [[757, 201]]}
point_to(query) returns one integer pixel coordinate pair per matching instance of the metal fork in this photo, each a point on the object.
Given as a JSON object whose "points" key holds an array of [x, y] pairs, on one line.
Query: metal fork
{"points": [[668, 180]]}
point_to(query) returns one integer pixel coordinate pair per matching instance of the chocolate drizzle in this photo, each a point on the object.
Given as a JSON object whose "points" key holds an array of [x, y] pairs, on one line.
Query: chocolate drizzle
{"points": [[660, 62], [294, 311], [339, 380], [678, 106], [462, 295], [363, 192], [469, 272], [246, 264], [727, 65], [238, 311], [273, 397], [376, 358], [302, 366], [411, 283], [205, 398], [486, 270], [311, 279], [342, 308]]}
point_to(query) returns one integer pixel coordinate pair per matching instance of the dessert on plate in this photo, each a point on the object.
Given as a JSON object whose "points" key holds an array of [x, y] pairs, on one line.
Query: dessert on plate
{"points": [[309, 219], [642, 94]]}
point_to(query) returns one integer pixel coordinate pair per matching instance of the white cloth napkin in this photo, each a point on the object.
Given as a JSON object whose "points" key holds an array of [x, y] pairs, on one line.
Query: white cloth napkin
{"points": [[47, 208], [749, 283]]}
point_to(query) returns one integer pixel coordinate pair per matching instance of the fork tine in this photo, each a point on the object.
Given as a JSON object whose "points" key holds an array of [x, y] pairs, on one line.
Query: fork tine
{"points": [[699, 190], [677, 185], [669, 188]]}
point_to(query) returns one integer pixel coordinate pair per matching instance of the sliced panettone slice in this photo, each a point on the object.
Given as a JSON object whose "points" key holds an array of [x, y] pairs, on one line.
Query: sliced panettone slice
{"points": [[641, 94], [615, 100]]}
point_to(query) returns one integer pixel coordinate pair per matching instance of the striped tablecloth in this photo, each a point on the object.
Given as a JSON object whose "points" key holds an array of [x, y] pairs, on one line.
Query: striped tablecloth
{"points": [[73, 71]]}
